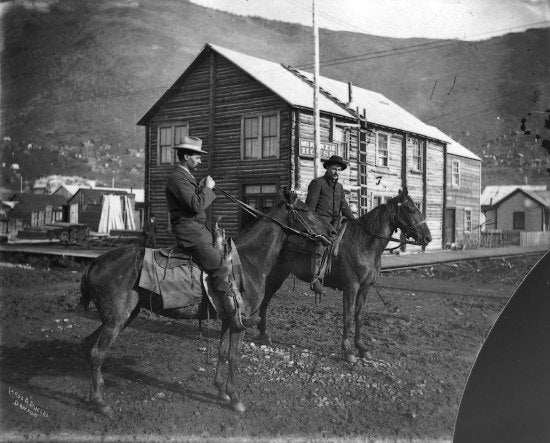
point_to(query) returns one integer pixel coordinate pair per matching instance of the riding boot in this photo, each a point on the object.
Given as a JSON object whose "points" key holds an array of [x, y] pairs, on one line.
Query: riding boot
{"points": [[316, 264]]}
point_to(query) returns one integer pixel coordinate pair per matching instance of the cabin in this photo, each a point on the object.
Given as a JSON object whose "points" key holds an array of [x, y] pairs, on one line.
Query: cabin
{"points": [[255, 118], [86, 206], [516, 207]]}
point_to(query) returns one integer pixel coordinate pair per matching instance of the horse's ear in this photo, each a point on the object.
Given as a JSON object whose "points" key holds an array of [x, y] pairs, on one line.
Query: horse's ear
{"points": [[403, 194]]}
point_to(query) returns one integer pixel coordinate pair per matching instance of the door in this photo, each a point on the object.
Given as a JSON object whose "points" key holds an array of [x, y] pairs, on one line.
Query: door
{"points": [[73, 213], [450, 225]]}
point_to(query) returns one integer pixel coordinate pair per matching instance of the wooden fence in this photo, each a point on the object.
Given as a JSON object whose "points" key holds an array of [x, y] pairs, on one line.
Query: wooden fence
{"points": [[493, 238], [541, 238]]}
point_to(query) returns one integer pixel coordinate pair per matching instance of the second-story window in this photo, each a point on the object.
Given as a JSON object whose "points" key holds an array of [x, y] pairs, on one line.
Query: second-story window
{"points": [[169, 136], [417, 155], [341, 137], [382, 148], [260, 136], [455, 174]]}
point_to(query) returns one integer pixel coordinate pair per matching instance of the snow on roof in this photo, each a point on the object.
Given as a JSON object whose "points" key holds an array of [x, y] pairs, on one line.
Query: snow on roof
{"points": [[492, 195], [455, 148], [281, 81]]}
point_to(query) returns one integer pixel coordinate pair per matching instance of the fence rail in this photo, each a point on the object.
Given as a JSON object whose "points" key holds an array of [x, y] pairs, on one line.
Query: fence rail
{"points": [[493, 238]]}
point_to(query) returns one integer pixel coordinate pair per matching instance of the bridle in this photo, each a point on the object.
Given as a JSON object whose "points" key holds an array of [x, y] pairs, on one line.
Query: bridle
{"points": [[293, 213], [397, 220]]}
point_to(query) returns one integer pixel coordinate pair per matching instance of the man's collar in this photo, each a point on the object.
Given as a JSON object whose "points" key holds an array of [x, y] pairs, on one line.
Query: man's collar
{"points": [[329, 180], [185, 168]]}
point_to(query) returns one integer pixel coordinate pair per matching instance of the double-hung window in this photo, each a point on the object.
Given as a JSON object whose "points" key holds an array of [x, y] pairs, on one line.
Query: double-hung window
{"points": [[382, 148], [261, 196], [341, 137], [168, 137], [260, 136], [468, 220], [455, 174], [417, 155]]}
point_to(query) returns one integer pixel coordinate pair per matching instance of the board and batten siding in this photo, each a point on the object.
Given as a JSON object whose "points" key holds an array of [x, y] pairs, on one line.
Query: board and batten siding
{"points": [[465, 196]]}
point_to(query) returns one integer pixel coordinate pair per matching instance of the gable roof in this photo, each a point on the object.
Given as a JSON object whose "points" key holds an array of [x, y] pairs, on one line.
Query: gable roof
{"points": [[94, 196], [39, 200], [296, 88], [494, 195]]}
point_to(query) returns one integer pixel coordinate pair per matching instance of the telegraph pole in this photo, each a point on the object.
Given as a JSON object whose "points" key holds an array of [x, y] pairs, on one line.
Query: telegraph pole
{"points": [[316, 117]]}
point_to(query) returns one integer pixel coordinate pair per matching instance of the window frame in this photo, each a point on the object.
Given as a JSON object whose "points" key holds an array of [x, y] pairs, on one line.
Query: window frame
{"points": [[343, 144], [260, 137], [468, 220], [457, 183], [514, 224], [260, 196], [172, 126], [417, 161], [377, 149]]}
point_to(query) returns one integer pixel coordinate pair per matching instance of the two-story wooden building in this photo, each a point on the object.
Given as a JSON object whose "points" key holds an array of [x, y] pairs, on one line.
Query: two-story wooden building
{"points": [[256, 121]]}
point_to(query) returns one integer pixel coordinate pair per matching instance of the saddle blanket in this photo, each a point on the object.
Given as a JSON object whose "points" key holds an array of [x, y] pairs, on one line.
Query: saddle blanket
{"points": [[181, 284]]}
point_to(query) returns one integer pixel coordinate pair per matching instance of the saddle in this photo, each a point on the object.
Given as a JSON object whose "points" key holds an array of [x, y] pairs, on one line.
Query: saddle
{"points": [[171, 257]]}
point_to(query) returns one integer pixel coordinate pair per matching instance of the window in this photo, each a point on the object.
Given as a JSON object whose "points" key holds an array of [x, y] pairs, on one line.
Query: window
{"points": [[455, 174], [382, 147], [168, 137], [341, 136], [519, 220], [468, 220], [417, 154], [260, 136], [261, 196]]}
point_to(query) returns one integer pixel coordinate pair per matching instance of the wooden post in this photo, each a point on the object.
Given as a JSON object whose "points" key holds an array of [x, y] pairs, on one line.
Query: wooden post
{"points": [[316, 117]]}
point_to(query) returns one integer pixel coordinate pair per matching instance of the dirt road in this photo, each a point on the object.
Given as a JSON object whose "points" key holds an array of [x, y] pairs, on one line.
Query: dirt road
{"points": [[159, 374]]}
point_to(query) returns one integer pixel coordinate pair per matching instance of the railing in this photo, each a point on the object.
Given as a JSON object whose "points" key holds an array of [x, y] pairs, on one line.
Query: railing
{"points": [[493, 238]]}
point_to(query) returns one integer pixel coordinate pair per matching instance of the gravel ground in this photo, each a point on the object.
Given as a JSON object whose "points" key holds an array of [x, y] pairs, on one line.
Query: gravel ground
{"points": [[423, 339]]}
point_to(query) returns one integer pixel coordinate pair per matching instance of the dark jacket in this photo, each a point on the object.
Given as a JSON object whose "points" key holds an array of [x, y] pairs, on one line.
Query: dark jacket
{"points": [[187, 202], [327, 199]]}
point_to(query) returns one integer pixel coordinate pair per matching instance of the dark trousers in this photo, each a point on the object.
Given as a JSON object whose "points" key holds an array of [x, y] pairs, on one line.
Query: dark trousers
{"points": [[211, 259]]}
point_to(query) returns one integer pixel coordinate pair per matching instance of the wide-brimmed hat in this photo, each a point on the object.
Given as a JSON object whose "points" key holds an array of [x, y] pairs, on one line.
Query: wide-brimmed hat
{"points": [[191, 144], [335, 160]]}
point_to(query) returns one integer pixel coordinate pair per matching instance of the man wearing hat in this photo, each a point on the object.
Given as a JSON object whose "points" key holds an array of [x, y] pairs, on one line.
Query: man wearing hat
{"points": [[326, 197], [187, 201]]}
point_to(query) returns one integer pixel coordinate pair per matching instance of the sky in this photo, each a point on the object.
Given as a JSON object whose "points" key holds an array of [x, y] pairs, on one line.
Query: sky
{"points": [[444, 19]]}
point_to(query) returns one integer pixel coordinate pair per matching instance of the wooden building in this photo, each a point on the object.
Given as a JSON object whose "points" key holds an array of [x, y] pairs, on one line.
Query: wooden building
{"points": [[256, 121], [515, 207]]}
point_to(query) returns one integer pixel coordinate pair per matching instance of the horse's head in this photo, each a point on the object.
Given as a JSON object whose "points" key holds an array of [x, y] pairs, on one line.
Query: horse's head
{"points": [[302, 219], [408, 218]]}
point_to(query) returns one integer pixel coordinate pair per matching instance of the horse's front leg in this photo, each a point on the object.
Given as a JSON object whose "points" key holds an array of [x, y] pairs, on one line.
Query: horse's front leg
{"points": [[348, 301], [223, 356], [236, 339], [359, 304], [272, 284]]}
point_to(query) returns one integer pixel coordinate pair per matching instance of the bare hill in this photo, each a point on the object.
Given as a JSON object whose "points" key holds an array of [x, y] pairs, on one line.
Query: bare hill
{"points": [[81, 70]]}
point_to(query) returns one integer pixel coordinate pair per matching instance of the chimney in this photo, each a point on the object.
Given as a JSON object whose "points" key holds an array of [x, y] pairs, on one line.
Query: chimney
{"points": [[350, 93]]}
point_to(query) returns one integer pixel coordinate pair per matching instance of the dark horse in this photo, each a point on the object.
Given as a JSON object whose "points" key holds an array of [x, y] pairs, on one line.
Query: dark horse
{"points": [[111, 283], [356, 266]]}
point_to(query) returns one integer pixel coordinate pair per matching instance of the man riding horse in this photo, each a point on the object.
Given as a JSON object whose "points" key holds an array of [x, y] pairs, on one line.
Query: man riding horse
{"points": [[187, 202], [326, 197]]}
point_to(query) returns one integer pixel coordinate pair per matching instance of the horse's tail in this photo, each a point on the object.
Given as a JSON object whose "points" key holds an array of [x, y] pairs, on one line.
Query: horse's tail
{"points": [[85, 292]]}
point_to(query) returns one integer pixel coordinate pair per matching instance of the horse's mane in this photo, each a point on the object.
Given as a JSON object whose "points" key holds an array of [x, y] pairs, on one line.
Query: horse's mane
{"points": [[375, 221], [249, 232]]}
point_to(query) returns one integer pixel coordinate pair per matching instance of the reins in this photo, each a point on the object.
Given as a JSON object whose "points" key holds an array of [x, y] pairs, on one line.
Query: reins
{"points": [[394, 214], [311, 235]]}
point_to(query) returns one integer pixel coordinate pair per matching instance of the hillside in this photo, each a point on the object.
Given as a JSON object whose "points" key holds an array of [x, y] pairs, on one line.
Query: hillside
{"points": [[78, 71]]}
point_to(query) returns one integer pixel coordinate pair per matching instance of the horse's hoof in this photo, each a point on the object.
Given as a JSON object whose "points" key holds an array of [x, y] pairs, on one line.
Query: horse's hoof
{"points": [[224, 397], [238, 407], [265, 339], [107, 410], [351, 358]]}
